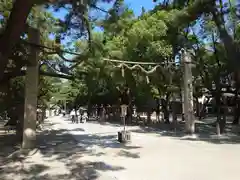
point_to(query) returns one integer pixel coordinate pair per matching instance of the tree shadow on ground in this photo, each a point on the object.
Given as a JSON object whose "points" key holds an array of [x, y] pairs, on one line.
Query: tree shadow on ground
{"points": [[204, 129], [59, 156], [204, 132], [102, 140], [72, 170], [8, 140], [125, 153]]}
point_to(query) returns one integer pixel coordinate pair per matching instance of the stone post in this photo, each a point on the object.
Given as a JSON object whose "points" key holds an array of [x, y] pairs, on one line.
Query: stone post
{"points": [[188, 93], [31, 93]]}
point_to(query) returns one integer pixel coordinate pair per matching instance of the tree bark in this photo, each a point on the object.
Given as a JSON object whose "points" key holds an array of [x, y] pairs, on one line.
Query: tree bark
{"points": [[221, 110], [129, 113], [218, 107], [182, 102], [19, 118], [195, 10], [158, 110], [148, 116], [13, 31], [231, 48], [236, 112], [198, 107], [174, 113], [31, 94], [165, 105], [237, 102]]}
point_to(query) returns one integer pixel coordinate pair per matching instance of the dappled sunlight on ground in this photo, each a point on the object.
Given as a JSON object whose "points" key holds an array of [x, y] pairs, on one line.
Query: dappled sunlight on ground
{"points": [[91, 151], [159, 153], [58, 157]]}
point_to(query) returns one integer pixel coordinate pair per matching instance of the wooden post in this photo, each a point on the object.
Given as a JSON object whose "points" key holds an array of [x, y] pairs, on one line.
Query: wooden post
{"points": [[65, 106], [31, 93], [182, 100], [174, 112], [188, 93]]}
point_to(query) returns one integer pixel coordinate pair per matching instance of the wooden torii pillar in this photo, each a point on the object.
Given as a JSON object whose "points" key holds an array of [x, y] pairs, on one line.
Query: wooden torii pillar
{"points": [[31, 93]]}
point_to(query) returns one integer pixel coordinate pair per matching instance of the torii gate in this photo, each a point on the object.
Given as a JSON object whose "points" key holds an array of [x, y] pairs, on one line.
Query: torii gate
{"points": [[187, 93], [29, 131]]}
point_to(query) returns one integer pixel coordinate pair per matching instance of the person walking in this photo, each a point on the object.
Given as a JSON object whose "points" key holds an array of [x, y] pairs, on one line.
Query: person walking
{"points": [[72, 114]]}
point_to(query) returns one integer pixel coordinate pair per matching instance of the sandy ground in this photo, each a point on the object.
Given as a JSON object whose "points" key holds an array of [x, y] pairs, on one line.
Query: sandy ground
{"points": [[91, 151], [154, 156], [56, 157]]}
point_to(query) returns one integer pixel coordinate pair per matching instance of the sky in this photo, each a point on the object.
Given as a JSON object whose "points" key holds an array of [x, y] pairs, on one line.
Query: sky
{"points": [[135, 5]]}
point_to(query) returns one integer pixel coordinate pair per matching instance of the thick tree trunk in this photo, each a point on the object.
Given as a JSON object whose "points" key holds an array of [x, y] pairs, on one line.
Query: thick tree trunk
{"points": [[221, 121], [218, 106], [224, 116], [149, 116], [165, 106], [237, 102], [14, 29], [102, 115], [31, 95], [231, 48], [182, 102], [4, 96], [158, 110], [221, 113], [174, 113], [198, 107], [166, 115], [19, 118], [236, 112], [195, 10], [129, 113]]}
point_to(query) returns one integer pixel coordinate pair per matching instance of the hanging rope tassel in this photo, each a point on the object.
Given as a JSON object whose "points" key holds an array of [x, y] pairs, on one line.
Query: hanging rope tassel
{"points": [[123, 72], [147, 79]]}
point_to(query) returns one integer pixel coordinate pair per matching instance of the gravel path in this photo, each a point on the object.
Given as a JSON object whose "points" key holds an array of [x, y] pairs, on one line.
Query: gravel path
{"points": [[155, 156], [57, 157], [91, 151]]}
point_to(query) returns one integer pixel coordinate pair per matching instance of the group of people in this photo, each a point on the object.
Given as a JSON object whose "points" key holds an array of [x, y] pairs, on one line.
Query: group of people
{"points": [[78, 116], [102, 111]]}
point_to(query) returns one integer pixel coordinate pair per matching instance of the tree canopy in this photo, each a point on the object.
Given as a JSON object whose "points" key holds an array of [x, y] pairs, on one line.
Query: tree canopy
{"points": [[208, 29]]}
